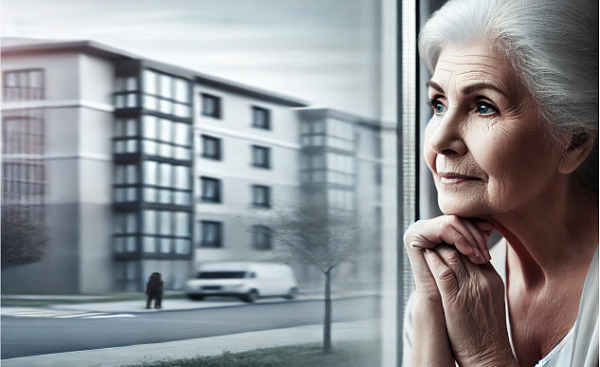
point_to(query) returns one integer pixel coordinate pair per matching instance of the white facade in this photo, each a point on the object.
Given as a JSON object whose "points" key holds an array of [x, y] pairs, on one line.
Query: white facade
{"points": [[122, 136]]}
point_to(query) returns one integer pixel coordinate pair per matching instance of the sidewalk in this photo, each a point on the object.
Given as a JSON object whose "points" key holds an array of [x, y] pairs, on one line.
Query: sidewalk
{"points": [[146, 353]]}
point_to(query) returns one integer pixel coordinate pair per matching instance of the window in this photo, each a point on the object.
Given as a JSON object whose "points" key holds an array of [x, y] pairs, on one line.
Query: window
{"points": [[211, 106], [261, 156], [261, 118], [211, 190], [23, 85], [261, 196], [166, 93], [212, 236], [262, 238], [211, 147]]}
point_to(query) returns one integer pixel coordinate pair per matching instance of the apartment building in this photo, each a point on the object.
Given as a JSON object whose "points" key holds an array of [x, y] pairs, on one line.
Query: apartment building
{"points": [[135, 166]]}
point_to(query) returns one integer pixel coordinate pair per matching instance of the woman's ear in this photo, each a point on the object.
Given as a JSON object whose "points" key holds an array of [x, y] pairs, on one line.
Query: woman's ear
{"points": [[580, 147]]}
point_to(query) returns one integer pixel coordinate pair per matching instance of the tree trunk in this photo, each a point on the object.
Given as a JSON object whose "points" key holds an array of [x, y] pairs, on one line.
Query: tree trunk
{"points": [[327, 321]]}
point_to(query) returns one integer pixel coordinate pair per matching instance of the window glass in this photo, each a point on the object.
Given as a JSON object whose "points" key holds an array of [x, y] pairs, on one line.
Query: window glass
{"points": [[165, 245], [211, 147], [150, 126], [165, 174], [150, 217], [165, 130], [181, 174], [150, 172], [182, 224], [150, 80], [211, 234], [166, 86], [261, 196], [261, 118], [211, 106], [211, 189], [165, 223], [182, 90], [149, 244], [261, 156], [261, 238]]}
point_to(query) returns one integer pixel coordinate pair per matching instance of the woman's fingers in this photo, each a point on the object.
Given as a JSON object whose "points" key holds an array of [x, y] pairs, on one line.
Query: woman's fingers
{"points": [[443, 275], [464, 235]]}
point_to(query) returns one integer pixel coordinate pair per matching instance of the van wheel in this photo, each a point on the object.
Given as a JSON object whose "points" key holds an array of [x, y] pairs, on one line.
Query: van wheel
{"points": [[252, 296], [292, 293]]}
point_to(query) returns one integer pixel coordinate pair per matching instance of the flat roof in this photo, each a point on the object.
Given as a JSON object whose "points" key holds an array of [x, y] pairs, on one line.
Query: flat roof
{"points": [[27, 46]]}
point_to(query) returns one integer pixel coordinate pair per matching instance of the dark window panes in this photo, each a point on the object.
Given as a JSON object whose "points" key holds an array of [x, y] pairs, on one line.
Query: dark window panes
{"points": [[261, 156], [261, 118], [222, 275], [261, 196], [211, 189], [262, 238], [212, 235], [211, 106], [211, 147]]}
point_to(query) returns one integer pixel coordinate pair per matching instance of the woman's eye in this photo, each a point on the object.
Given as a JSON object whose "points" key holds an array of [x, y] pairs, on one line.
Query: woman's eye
{"points": [[438, 107], [486, 109]]}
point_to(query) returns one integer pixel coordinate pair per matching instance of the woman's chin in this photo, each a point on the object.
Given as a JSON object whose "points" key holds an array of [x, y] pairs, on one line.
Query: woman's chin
{"points": [[461, 209]]}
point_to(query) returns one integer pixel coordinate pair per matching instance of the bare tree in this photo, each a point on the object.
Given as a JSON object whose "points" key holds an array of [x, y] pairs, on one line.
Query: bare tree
{"points": [[321, 237], [23, 236]]}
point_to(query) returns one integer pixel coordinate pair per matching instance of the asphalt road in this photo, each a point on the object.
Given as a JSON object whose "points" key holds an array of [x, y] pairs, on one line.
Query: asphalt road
{"points": [[23, 336]]}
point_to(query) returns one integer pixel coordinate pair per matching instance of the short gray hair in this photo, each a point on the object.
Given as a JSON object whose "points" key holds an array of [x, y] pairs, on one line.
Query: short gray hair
{"points": [[552, 45]]}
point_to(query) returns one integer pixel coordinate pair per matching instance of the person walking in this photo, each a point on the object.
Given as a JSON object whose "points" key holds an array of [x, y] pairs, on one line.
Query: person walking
{"points": [[154, 290]]}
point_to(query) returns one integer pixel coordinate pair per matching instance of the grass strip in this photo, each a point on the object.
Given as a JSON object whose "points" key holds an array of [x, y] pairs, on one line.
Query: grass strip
{"points": [[346, 354]]}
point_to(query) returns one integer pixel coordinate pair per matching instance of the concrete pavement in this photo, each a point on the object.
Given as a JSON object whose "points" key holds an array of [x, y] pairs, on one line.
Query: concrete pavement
{"points": [[146, 353]]}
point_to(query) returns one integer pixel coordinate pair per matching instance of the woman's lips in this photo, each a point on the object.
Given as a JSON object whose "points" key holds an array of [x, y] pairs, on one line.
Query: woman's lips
{"points": [[450, 178]]}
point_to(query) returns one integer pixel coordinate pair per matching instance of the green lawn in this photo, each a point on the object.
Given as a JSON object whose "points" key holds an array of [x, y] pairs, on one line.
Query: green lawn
{"points": [[347, 354]]}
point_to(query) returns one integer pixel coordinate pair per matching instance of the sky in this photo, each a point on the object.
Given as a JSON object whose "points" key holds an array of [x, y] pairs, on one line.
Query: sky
{"points": [[322, 51]]}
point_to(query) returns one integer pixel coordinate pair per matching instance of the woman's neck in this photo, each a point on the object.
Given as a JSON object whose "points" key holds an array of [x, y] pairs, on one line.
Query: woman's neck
{"points": [[551, 238]]}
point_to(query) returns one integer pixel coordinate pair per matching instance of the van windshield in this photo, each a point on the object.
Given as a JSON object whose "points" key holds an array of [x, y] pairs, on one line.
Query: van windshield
{"points": [[222, 275]]}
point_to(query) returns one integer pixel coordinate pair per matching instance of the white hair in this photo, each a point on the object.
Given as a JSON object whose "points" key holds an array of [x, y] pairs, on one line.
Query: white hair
{"points": [[552, 45]]}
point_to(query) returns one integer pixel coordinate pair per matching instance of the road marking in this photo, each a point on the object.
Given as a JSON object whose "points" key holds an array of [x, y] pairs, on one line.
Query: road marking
{"points": [[59, 314], [110, 316]]}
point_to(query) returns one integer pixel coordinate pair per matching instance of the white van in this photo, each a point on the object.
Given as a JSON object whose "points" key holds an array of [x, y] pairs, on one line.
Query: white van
{"points": [[246, 280]]}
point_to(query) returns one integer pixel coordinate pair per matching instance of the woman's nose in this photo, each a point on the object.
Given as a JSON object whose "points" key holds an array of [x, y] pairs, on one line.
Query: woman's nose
{"points": [[445, 136]]}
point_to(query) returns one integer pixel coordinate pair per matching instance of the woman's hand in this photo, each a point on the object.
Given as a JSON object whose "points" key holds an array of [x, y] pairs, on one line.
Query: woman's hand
{"points": [[474, 309], [430, 342], [430, 338]]}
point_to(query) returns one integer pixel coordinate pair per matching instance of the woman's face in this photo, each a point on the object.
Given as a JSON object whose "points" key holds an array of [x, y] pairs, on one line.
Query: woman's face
{"points": [[485, 144]]}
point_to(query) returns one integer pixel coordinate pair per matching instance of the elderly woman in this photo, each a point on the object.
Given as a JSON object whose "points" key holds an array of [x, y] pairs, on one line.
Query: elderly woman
{"points": [[512, 146]]}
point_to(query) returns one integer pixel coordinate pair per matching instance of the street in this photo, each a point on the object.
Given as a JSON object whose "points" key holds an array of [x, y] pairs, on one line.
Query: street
{"points": [[28, 336]]}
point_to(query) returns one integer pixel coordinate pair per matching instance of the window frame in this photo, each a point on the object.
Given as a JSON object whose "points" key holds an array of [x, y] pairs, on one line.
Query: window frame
{"points": [[261, 123], [215, 112], [218, 242], [266, 193], [258, 231], [204, 139], [266, 154], [217, 197]]}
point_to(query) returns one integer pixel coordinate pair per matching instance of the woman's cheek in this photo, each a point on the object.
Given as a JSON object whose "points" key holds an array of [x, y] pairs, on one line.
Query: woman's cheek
{"points": [[428, 154]]}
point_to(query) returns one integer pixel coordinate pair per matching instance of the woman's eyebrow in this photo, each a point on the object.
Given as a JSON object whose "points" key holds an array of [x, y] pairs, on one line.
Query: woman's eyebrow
{"points": [[479, 86], [435, 86]]}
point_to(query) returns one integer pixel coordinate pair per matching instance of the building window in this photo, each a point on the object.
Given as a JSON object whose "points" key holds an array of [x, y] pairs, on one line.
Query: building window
{"points": [[261, 156], [262, 238], [211, 106], [23, 85], [261, 118], [167, 94], [212, 236], [211, 190], [261, 196], [211, 147]]}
